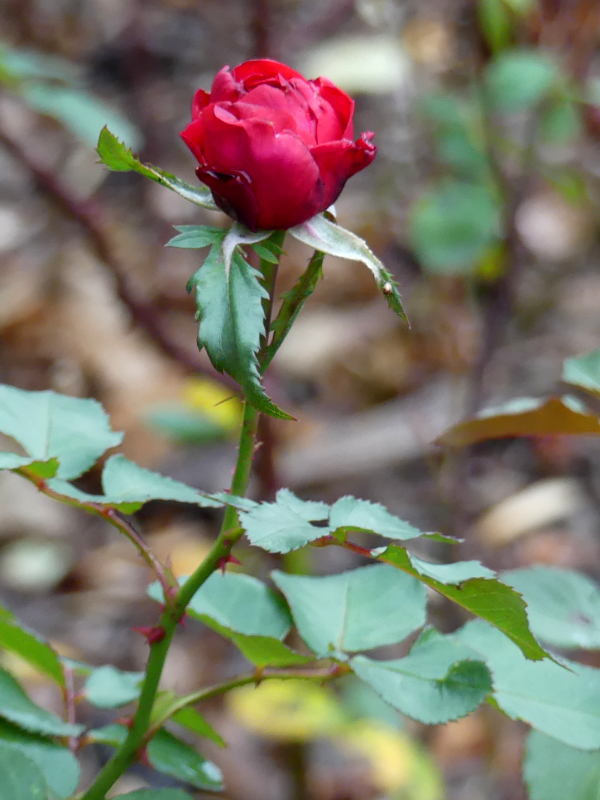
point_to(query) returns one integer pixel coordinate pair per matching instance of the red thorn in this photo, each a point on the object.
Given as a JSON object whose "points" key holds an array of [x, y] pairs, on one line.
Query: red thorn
{"points": [[153, 634], [222, 562]]}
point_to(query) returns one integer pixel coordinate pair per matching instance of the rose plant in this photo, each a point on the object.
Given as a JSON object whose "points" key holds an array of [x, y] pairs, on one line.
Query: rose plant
{"points": [[275, 151]]}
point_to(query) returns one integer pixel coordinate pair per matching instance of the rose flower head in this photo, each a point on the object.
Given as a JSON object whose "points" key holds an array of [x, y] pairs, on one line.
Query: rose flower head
{"points": [[274, 148]]}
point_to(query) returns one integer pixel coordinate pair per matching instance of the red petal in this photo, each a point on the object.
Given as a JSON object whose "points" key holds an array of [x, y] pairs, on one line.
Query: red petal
{"points": [[248, 156], [299, 118], [200, 101], [193, 136], [280, 118], [225, 88], [341, 105], [338, 161], [263, 70], [233, 194]]}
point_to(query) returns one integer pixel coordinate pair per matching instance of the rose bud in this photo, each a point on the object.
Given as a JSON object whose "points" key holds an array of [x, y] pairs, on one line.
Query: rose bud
{"points": [[274, 148]]}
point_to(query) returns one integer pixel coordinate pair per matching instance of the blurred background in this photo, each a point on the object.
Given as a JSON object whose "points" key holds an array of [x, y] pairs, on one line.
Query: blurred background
{"points": [[483, 202]]}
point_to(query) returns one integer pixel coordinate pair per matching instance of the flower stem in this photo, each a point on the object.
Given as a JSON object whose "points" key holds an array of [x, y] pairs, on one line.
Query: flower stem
{"points": [[175, 605]]}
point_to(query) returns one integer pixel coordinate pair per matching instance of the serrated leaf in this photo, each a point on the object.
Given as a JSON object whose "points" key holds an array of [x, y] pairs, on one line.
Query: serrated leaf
{"points": [[238, 236], [493, 601], [554, 771], [291, 305], [265, 651], [583, 371], [451, 574], [357, 610], [194, 237], [175, 758], [327, 237], [232, 322], [17, 708], [28, 645], [45, 469], [48, 425], [526, 416], [128, 486], [245, 611], [265, 254], [285, 524], [561, 701], [563, 607], [117, 157], [21, 778], [349, 513], [518, 80], [242, 604], [438, 681], [125, 481], [57, 764], [109, 687]]}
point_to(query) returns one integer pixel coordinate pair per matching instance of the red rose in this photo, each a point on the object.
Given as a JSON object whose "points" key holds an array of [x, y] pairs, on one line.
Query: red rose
{"points": [[274, 148]]}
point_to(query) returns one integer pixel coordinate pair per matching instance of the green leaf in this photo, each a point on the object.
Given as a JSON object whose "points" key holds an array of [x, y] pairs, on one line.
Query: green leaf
{"points": [[264, 651], [349, 514], [117, 157], [29, 646], [194, 237], [561, 123], [82, 113], [171, 756], [267, 255], [57, 764], [238, 236], [48, 425], [292, 303], [45, 469], [126, 482], [518, 80], [242, 604], [438, 681], [113, 735], [156, 794], [285, 524], [358, 610], [21, 778], [248, 613], [525, 416], [191, 719], [563, 607], [108, 687], [16, 707], [453, 225], [493, 601], [327, 237], [554, 771], [128, 486], [561, 702], [583, 371], [495, 22], [232, 322]]}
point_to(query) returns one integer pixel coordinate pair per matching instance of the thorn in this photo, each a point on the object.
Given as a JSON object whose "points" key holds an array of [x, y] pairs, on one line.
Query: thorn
{"points": [[153, 634], [222, 562]]}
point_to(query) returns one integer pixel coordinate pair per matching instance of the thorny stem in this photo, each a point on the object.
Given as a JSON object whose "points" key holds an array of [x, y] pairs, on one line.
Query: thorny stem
{"points": [[176, 605], [112, 516]]}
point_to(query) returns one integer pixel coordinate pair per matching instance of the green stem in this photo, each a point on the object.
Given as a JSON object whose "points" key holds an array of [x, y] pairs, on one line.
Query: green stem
{"points": [[256, 677], [163, 632]]}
